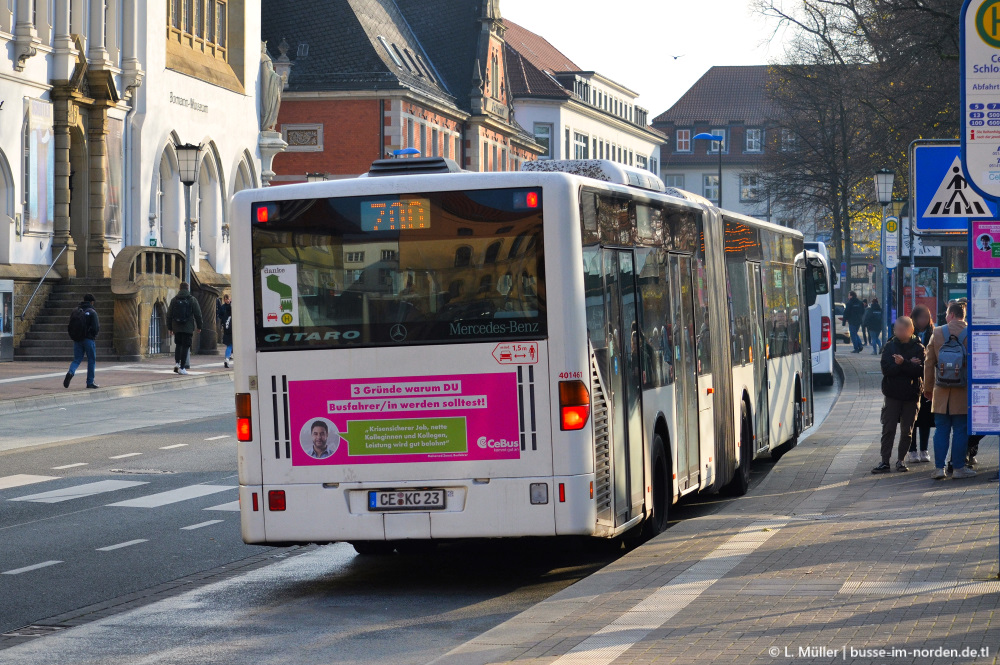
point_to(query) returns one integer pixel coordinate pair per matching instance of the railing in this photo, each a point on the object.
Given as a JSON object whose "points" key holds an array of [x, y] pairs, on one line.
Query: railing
{"points": [[42, 281]]}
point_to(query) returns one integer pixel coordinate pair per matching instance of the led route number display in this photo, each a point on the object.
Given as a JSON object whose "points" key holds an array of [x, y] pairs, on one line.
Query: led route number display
{"points": [[406, 214]]}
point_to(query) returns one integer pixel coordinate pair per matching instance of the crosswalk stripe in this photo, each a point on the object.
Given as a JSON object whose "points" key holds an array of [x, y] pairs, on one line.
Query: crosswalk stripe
{"points": [[216, 438], [200, 524], [68, 466], [17, 480], [18, 571], [124, 456], [176, 445], [173, 496], [119, 546], [233, 506], [80, 491]]}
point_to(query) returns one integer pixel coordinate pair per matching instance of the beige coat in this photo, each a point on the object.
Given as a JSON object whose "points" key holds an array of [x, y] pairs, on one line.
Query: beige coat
{"points": [[952, 401]]}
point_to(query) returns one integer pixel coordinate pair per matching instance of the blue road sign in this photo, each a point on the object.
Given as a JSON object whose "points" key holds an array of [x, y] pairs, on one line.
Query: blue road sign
{"points": [[943, 198]]}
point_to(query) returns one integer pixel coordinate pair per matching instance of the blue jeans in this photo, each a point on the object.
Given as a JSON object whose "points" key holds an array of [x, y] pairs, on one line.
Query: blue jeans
{"points": [[958, 427], [875, 335], [88, 348], [855, 338], [229, 351]]}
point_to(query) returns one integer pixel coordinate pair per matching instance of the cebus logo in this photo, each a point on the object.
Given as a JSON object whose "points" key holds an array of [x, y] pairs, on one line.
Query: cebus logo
{"points": [[485, 443], [482, 442]]}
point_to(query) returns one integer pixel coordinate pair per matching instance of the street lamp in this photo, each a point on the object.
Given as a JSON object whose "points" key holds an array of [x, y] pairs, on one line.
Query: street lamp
{"points": [[705, 136], [315, 177], [884, 179], [188, 163]]}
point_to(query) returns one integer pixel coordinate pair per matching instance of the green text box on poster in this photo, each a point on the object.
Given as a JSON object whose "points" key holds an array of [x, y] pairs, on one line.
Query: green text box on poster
{"points": [[402, 437]]}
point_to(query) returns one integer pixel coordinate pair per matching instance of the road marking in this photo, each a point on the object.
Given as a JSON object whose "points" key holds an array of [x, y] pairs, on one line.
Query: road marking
{"points": [[7, 482], [80, 491], [635, 624], [68, 466], [121, 545], [176, 445], [200, 524], [216, 438], [124, 456], [233, 506], [18, 571], [173, 496]]}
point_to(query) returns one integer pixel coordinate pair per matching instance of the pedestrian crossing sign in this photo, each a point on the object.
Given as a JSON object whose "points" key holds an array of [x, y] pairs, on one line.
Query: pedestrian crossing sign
{"points": [[944, 200]]}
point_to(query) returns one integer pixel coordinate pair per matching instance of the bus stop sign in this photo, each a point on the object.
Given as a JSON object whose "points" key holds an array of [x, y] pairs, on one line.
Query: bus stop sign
{"points": [[980, 70]]}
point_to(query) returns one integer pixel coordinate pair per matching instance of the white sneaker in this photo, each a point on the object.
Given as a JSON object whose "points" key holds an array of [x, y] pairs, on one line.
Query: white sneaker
{"points": [[937, 474], [182, 371], [924, 456], [912, 458], [964, 472]]}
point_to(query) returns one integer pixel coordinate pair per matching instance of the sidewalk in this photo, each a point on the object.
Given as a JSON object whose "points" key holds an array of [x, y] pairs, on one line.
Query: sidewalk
{"points": [[822, 563], [33, 385]]}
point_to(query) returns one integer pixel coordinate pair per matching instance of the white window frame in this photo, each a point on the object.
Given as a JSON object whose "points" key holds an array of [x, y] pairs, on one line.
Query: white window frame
{"points": [[758, 141], [685, 142], [668, 180], [713, 146], [549, 127], [707, 187], [581, 140], [788, 140], [746, 186]]}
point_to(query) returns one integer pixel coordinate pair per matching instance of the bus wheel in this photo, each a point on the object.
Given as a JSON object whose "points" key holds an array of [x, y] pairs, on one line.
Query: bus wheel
{"points": [[373, 547], [416, 547], [657, 522], [740, 483]]}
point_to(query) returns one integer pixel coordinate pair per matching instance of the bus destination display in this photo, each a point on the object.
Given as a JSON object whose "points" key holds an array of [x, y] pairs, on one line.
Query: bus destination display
{"points": [[405, 214]]}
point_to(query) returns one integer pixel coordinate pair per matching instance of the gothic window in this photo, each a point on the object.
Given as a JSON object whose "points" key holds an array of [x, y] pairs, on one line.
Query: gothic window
{"points": [[199, 24], [495, 78]]}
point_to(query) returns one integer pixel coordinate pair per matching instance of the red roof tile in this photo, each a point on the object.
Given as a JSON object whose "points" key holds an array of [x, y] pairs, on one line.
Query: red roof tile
{"points": [[537, 49], [724, 95]]}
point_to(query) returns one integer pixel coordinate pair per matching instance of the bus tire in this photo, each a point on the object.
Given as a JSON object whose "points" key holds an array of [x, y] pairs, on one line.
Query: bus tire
{"points": [[823, 380], [740, 483], [373, 547], [657, 522]]}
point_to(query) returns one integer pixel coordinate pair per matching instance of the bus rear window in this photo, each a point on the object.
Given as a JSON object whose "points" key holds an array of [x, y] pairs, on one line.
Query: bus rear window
{"points": [[422, 268]]}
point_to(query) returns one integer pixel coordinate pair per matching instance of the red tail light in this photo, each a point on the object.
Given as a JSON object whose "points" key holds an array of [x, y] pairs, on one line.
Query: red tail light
{"points": [[255, 507], [826, 335], [532, 199], [574, 405], [244, 430], [276, 500], [562, 492]]}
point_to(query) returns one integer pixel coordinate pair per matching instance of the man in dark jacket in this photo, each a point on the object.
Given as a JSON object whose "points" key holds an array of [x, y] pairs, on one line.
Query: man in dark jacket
{"points": [[854, 314], [83, 336], [873, 324], [183, 320], [902, 383]]}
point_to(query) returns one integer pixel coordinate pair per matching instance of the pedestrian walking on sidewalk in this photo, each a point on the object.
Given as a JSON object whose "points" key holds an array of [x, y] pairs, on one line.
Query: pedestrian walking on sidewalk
{"points": [[84, 326], [873, 324], [923, 328], [902, 383], [854, 314], [864, 329], [226, 316], [946, 385], [183, 320]]}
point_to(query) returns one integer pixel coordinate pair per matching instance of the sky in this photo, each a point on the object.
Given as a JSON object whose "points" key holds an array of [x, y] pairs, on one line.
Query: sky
{"points": [[633, 41]]}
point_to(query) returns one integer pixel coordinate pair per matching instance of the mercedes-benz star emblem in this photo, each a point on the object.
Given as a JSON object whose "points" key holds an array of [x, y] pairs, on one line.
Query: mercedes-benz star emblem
{"points": [[398, 332]]}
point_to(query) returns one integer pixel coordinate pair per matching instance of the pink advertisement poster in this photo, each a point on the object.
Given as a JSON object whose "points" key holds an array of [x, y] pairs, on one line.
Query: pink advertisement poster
{"points": [[464, 417], [986, 245]]}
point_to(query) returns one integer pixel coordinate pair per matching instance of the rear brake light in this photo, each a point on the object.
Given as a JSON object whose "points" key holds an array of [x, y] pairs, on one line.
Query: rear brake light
{"points": [[244, 430], [276, 500], [255, 506], [265, 212], [826, 335], [532, 199], [562, 492], [574, 405]]}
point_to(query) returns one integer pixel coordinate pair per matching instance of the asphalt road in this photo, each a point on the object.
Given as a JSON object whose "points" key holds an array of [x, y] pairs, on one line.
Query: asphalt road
{"points": [[65, 544]]}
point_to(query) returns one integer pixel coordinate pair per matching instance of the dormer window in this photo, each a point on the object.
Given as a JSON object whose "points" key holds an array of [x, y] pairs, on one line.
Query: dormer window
{"points": [[392, 55]]}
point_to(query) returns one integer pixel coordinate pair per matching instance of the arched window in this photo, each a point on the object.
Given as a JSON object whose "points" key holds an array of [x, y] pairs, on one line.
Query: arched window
{"points": [[492, 252], [486, 284], [463, 257], [516, 245]]}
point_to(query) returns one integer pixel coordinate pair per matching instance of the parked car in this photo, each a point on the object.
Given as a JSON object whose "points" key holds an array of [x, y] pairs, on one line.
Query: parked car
{"points": [[843, 334]]}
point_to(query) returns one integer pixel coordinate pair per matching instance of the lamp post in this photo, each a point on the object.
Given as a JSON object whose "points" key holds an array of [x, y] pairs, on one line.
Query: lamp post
{"points": [[188, 163], [884, 179], [706, 136], [315, 177]]}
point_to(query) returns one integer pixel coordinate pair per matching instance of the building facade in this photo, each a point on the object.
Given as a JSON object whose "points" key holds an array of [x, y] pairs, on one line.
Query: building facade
{"points": [[576, 114], [369, 77]]}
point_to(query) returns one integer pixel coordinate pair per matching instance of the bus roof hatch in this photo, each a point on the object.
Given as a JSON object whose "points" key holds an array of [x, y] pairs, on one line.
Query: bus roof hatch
{"points": [[413, 166], [600, 169]]}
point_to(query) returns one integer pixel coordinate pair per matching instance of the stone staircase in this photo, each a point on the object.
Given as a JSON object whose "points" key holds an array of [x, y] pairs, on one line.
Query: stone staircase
{"points": [[48, 339]]}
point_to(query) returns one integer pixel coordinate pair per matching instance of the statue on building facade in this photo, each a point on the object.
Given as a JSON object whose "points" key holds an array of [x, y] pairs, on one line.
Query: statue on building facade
{"points": [[271, 85]]}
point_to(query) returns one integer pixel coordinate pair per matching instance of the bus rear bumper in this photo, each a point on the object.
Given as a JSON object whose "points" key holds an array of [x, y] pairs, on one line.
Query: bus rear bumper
{"points": [[487, 508]]}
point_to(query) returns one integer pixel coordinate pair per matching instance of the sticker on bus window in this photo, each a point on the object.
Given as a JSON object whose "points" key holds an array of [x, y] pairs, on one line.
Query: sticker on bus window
{"points": [[279, 295], [467, 417]]}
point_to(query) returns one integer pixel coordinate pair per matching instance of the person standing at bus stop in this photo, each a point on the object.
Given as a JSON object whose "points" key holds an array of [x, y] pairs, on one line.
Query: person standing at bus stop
{"points": [[902, 379], [873, 325], [946, 385], [854, 314], [923, 328], [183, 320], [226, 316]]}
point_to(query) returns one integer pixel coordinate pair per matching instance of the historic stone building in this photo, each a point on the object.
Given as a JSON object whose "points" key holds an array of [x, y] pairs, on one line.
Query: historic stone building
{"points": [[367, 77], [94, 94]]}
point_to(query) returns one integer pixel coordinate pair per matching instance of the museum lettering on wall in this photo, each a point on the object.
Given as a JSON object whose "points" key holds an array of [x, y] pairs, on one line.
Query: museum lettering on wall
{"points": [[188, 102]]}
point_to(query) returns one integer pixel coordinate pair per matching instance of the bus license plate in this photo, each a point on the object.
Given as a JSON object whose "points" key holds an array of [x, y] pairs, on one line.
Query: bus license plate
{"points": [[406, 500]]}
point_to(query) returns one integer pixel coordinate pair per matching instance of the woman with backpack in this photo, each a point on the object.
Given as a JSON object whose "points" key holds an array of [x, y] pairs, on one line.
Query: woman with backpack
{"points": [[946, 385], [923, 328], [873, 324]]}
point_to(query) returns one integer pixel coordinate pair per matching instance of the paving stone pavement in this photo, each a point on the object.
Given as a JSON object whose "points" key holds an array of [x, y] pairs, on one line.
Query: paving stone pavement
{"points": [[823, 562]]}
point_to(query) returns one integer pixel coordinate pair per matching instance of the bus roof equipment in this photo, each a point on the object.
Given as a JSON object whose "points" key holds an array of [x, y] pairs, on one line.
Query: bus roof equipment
{"points": [[599, 169]]}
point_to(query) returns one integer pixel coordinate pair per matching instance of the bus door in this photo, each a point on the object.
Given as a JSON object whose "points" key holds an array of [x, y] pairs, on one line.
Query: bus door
{"points": [[686, 445], [759, 357], [626, 383]]}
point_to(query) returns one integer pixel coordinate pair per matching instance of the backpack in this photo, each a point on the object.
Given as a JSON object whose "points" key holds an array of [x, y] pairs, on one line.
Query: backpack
{"points": [[182, 310], [78, 325], [952, 361]]}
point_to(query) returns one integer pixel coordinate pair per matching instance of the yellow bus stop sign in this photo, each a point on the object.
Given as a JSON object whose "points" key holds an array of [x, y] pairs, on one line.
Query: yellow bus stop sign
{"points": [[988, 22]]}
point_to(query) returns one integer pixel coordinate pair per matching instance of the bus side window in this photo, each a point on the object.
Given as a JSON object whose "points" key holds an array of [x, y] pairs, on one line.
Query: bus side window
{"points": [[593, 285]]}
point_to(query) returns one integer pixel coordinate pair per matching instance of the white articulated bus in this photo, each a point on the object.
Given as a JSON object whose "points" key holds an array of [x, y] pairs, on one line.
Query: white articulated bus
{"points": [[819, 298], [426, 353]]}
